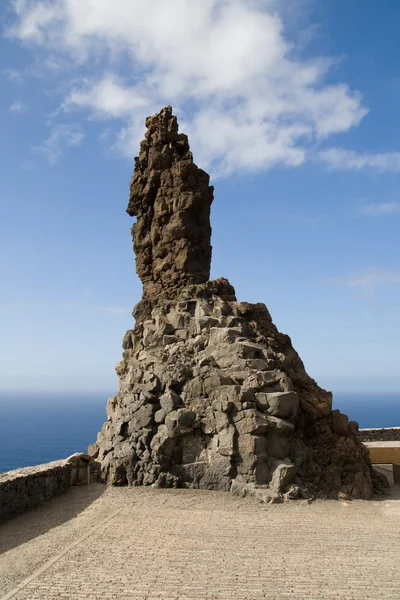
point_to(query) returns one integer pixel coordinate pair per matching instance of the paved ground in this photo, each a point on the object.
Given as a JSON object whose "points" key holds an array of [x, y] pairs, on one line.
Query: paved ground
{"points": [[138, 543]]}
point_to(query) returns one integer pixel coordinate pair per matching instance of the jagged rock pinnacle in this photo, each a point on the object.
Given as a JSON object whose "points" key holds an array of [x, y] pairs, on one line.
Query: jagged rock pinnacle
{"points": [[211, 394], [170, 198]]}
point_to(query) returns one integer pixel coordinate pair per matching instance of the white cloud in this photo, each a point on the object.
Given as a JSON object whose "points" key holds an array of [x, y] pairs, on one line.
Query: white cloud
{"points": [[34, 17], [108, 97], [17, 107], [238, 86], [61, 136], [377, 210], [338, 158], [369, 280]]}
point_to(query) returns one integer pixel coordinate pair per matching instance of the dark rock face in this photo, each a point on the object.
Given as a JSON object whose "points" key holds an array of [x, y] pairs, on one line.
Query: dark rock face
{"points": [[170, 198], [211, 394]]}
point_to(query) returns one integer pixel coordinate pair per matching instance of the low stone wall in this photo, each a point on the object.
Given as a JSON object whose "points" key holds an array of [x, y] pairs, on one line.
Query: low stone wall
{"points": [[391, 434], [26, 488]]}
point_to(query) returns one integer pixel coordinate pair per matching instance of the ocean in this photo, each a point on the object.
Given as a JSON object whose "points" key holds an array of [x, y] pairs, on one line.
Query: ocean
{"points": [[36, 429]]}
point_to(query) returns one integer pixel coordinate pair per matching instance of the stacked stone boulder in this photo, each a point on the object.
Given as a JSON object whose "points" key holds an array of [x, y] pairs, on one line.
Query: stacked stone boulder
{"points": [[211, 395]]}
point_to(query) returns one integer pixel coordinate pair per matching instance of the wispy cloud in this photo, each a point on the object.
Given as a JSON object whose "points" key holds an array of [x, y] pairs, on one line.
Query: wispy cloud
{"points": [[240, 89], [18, 107], [61, 137], [339, 158], [368, 280], [13, 75], [380, 209]]}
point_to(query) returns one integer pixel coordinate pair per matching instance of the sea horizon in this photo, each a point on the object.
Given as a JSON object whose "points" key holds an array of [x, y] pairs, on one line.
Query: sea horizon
{"points": [[40, 427]]}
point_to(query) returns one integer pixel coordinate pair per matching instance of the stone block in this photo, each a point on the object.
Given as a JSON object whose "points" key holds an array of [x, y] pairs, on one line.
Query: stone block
{"points": [[185, 417], [178, 320], [252, 421], [221, 420], [218, 474], [282, 404], [282, 473], [226, 441], [261, 399], [194, 388], [252, 444], [170, 401], [215, 380], [224, 335], [204, 308], [283, 426], [257, 382], [143, 418], [248, 350], [159, 416], [258, 364], [285, 384], [208, 424], [150, 383], [227, 357], [238, 377], [206, 323]]}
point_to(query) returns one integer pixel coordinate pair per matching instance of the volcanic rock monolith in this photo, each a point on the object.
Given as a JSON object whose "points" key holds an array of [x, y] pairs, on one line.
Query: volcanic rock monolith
{"points": [[170, 198], [211, 394]]}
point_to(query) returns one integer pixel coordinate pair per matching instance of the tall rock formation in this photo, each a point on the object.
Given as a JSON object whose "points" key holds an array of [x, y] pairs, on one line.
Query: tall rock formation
{"points": [[211, 395], [170, 198]]}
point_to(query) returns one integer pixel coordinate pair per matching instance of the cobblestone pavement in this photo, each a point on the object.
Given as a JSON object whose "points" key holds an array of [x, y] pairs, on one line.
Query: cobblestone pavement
{"points": [[100, 543]]}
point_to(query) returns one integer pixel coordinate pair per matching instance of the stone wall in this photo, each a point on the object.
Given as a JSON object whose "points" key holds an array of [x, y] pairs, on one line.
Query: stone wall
{"points": [[26, 488], [387, 434]]}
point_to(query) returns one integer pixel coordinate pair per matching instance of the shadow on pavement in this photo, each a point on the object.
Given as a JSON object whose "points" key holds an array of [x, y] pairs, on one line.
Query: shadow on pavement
{"points": [[394, 490], [58, 510], [394, 494]]}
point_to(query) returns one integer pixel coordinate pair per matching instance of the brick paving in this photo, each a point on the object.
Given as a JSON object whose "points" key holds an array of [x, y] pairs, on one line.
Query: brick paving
{"points": [[141, 543]]}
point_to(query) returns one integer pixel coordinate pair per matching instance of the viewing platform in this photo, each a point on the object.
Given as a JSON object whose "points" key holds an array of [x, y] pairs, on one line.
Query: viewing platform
{"points": [[134, 543]]}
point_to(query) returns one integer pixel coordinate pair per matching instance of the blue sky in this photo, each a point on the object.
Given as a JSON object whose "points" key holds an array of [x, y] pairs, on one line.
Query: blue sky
{"points": [[295, 113]]}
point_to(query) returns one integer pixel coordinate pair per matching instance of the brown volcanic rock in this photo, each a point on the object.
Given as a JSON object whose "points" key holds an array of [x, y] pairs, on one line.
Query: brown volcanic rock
{"points": [[170, 198], [211, 394]]}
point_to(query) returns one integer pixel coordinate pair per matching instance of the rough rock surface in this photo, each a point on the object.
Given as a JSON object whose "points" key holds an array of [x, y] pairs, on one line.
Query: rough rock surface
{"points": [[211, 394], [170, 198]]}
